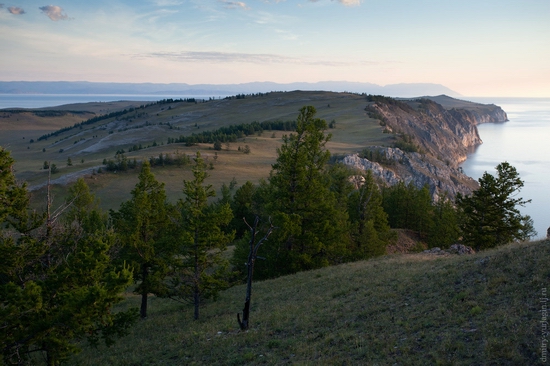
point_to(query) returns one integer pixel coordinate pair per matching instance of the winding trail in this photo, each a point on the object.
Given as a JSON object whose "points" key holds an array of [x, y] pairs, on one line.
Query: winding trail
{"points": [[67, 178]]}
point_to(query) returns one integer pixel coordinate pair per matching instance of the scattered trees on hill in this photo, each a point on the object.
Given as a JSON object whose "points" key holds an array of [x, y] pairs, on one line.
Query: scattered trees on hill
{"points": [[84, 123], [165, 159], [121, 163], [233, 132]]}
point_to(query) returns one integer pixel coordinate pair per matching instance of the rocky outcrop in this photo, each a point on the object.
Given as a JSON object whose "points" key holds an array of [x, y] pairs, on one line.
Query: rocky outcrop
{"points": [[416, 169], [448, 134], [454, 249], [442, 137]]}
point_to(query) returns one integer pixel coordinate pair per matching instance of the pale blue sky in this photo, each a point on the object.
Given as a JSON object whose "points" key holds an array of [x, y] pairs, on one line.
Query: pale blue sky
{"points": [[477, 48]]}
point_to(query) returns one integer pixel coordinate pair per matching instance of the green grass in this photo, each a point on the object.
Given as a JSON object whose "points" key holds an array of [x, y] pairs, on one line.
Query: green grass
{"points": [[416, 309]]}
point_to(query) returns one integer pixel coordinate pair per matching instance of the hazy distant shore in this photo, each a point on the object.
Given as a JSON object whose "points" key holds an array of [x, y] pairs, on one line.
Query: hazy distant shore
{"points": [[182, 89]]}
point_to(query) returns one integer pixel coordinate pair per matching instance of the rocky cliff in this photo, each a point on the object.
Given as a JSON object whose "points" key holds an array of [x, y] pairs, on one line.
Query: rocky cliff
{"points": [[431, 140], [417, 169], [448, 133]]}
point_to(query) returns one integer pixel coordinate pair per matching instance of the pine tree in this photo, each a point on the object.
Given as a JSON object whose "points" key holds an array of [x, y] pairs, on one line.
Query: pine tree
{"points": [[202, 270], [242, 206], [58, 284], [310, 225], [444, 230], [490, 216], [145, 227], [408, 207], [370, 230], [83, 208]]}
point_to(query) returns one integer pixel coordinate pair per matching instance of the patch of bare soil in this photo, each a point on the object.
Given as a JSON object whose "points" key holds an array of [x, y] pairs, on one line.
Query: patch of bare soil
{"points": [[407, 241]]}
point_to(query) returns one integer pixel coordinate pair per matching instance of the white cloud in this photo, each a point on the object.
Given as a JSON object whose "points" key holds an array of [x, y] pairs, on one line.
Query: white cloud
{"points": [[15, 10], [288, 35], [167, 2], [234, 4], [343, 2], [54, 12], [230, 57], [350, 2]]}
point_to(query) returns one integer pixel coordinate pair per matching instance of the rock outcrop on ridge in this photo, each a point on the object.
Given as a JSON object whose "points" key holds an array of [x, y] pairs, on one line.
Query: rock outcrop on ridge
{"points": [[419, 170], [433, 139]]}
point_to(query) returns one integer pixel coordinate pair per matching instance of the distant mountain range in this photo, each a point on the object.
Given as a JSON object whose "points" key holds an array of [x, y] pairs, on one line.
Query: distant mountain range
{"points": [[84, 87]]}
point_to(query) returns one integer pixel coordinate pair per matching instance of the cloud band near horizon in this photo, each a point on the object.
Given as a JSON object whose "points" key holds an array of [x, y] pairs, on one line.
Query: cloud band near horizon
{"points": [[235, 57]]}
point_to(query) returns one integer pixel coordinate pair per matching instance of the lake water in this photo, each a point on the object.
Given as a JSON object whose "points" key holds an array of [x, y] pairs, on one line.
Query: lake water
{"points": [[524, 142], [50, 100]]}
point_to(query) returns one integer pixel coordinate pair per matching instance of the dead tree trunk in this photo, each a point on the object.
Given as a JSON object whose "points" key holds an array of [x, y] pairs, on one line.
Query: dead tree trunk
{"points": [[144, 290], [252, 255]]}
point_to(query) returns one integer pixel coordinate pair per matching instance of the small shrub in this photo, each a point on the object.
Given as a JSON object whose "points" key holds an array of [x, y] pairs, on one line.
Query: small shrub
{"points": [[476, 310]]}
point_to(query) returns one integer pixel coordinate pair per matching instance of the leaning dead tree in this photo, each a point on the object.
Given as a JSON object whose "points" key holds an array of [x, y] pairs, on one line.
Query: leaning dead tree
{"points": [[252, 255]]}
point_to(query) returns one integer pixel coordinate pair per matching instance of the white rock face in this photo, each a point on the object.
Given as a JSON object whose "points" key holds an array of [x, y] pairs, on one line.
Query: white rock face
{"points": [[445, 136], [449, 134], [420, 170]]}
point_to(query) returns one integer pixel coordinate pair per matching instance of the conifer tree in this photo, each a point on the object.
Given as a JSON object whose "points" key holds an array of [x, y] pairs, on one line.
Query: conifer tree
{"points": [[311, 226], [201, 271], [57, 280], [370, 230], [490, 216], [242, 206], [408, 207], [444, 230], [146, 230], [83, 208]]}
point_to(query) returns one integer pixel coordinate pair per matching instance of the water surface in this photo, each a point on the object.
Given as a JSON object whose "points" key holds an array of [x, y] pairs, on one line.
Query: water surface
{"points": [[524, 142], [51, 100]]}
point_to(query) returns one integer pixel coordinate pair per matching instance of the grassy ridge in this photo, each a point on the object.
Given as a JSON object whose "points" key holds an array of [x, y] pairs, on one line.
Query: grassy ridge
{"points": [[90, 145], [418, 309]]}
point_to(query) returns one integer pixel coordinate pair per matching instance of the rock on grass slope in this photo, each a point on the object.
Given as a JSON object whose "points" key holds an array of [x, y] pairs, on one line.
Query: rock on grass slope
{"points": [[416, 309]]}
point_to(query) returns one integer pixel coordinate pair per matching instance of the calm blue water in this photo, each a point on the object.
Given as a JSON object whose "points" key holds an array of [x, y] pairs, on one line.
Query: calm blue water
{"points": [[51, 100], [524, 142]]}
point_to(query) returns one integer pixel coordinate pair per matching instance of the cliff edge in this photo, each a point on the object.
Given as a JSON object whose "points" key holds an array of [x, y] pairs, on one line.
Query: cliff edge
{"points": [[432, 136]]}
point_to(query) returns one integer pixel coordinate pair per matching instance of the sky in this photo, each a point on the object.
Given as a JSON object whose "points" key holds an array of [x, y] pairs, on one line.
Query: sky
{"points": [[474, 47]]}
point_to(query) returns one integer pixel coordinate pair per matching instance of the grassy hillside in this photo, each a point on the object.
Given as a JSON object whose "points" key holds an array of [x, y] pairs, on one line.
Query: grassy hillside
{"points": [[152, 124], [88, 145], [415, 309]]}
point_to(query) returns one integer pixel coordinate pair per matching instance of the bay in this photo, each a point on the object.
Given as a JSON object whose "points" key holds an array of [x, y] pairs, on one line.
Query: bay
{"points": [[53, 100], [524, 142]]}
